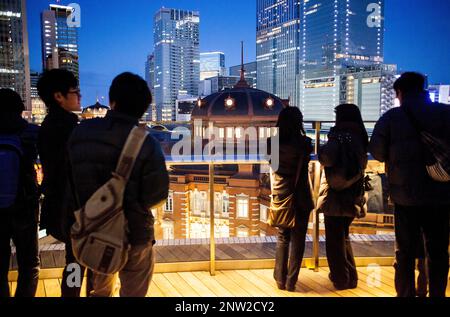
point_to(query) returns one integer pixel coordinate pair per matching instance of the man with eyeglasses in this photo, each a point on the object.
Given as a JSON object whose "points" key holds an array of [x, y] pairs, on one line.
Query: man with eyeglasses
{"points": [[59, 90]]}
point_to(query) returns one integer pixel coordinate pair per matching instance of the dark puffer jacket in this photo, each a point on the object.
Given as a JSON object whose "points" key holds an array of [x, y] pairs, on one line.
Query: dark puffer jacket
{"points": [[396, 142], [349, 202], [283, 180], [94, 151], [52, 144]]}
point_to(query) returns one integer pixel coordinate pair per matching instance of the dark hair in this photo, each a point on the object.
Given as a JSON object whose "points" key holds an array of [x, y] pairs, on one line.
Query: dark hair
{"points": [[410, 82], [11, 102], [53, 81], [350, 113], [290, 124], [131, 95]]}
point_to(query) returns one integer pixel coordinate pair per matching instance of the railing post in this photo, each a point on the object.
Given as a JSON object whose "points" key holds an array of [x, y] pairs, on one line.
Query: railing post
{"points": [[316, 220], [212, 241]]}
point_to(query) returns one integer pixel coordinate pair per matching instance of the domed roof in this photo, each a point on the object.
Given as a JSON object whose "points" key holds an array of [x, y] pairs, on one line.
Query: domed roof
{"points": [[240, 103], [96, 107]]}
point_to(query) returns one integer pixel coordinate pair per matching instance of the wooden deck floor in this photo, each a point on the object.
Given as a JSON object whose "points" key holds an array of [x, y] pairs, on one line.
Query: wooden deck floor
{"points": [[248, 283]]}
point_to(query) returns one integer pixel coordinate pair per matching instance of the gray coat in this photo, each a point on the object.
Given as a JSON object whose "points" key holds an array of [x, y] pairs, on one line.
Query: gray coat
{"points": [[396, 142]]}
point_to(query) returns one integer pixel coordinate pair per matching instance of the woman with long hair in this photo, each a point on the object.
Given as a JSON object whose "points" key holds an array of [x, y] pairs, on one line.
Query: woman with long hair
{"points": [[291, 182], [342, 196]]}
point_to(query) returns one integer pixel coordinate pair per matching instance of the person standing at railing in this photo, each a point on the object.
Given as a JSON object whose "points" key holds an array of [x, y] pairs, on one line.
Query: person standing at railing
{"points": [[421, 202], [94, 151], [59, 90], [290, 186], [342, 192], [19, 198]]}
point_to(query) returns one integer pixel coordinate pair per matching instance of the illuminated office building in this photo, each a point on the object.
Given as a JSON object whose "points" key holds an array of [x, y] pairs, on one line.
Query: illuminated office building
{"points": [[278, 46], [177, 58], [14, 59], [212, 64], [59, 40]]}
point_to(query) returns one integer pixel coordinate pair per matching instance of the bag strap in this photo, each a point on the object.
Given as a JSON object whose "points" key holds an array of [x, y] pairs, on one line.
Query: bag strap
{"points": [[130, 152]]}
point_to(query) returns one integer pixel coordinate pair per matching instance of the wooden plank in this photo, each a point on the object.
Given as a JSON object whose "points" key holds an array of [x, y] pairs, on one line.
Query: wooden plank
{"points": [[371, 291], [52, 288], [40, 292], [60, 258], [269, 288], [248, 284], [322, 276], [231, 286], [13, 288], [386, 282], [197, 284], [165, 286], [180, 285], [154, 291], [308, 279], [267, 277], [231, 252], [212, 284]]}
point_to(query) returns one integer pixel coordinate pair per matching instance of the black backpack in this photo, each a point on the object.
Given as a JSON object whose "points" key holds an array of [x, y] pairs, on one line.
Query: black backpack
{"points": [[11, 153]]}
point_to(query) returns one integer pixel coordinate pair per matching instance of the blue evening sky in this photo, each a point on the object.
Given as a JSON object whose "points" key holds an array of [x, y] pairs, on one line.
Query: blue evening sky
{"points": [[117, 35]]}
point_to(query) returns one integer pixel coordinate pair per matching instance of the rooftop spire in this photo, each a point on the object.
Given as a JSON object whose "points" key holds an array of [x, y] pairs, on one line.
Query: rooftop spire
{"points": [[242, 82]]}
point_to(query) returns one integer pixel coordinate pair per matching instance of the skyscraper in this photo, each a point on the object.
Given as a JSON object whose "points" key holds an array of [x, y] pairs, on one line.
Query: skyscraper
{"points": [[278, 46], [339, 39], [177, 58], [341, 33], [14, 58], [212, 64], [59, 40]]}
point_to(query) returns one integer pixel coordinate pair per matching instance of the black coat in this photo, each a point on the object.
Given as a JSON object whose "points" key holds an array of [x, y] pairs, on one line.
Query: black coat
{"points": [[396, 142], [53, 137], [283, 179], [26, 209], [95, 147]]}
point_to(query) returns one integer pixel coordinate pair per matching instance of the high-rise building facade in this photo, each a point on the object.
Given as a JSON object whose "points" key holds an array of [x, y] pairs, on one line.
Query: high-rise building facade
{"points": [[59, 40], [339, 37], [251, 72], [440, 93], [14, 57], [150, 115], [278, 46], [341, 33], [212, 64], [177, 58]]}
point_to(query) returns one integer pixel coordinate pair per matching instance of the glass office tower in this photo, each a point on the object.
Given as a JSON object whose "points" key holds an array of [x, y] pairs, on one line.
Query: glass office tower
{"points": [[278, 46], [14, 57], [59, 40], [212, 64], [341, 33], [338, 37], [177, 58]]}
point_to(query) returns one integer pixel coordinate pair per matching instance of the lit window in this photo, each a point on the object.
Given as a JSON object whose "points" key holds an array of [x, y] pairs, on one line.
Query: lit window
{"points": [[242, 206], [169, 203], [263, 213], [168, 230], [242, 232], [221, 133], [230, 133]]}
